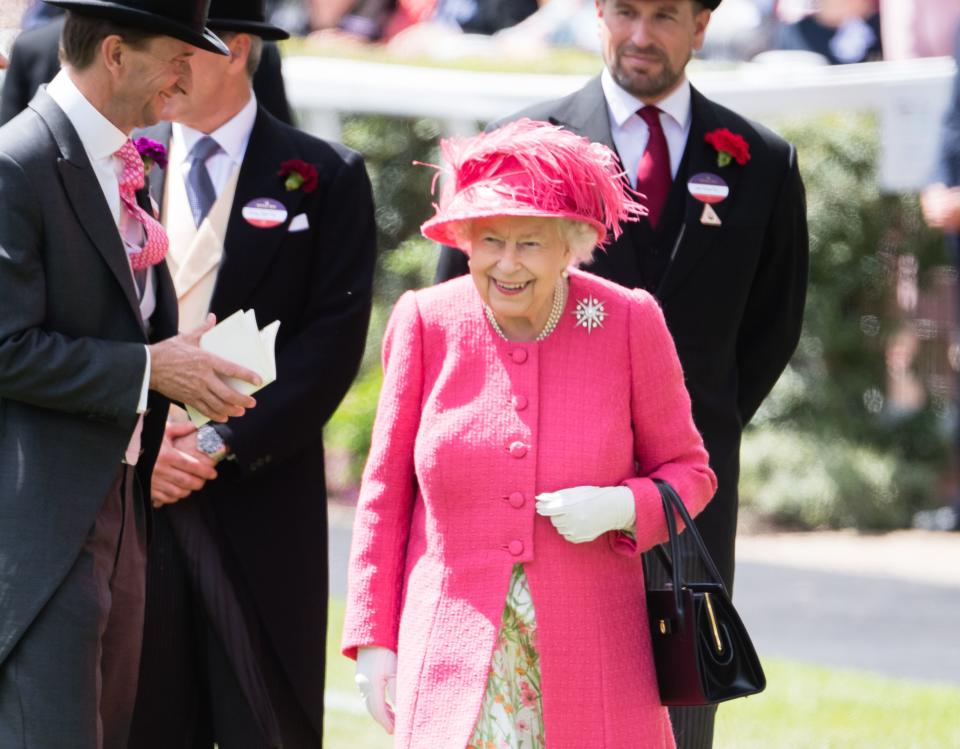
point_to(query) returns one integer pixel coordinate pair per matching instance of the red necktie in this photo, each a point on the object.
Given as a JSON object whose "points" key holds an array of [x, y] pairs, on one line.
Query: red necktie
{"points": [[653, 172], [155, 245]]}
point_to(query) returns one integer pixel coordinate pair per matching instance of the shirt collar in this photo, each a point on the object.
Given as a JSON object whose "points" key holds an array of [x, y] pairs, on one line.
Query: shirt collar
{"points": [[100, 137], [232, 136], [623, 104]]}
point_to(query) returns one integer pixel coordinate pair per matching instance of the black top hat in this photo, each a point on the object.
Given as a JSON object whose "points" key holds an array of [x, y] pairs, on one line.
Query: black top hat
{"points": [[181, 19], [244, 16]]}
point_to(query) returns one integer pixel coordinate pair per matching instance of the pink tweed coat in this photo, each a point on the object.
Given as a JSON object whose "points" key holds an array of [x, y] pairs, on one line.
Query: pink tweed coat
{"points": [[469, 429]]}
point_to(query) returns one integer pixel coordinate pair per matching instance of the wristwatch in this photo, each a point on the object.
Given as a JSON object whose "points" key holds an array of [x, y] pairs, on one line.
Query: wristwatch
{"points": [[210, 443]]}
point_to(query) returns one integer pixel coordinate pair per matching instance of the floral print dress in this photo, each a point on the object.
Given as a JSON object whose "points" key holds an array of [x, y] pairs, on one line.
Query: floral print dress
{"points": [[511, 716]]}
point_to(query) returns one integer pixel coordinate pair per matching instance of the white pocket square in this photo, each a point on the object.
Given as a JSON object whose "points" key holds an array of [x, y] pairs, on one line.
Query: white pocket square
{"points": [[299, 223]]}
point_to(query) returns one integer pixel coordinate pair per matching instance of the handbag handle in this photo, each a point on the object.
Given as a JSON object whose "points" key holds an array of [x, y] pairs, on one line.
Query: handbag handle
{"points": [[672, 563]]}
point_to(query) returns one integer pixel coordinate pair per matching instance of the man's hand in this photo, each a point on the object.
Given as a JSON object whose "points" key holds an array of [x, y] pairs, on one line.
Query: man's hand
{"points": [[185, 373], [181, 469], [941, 207]]}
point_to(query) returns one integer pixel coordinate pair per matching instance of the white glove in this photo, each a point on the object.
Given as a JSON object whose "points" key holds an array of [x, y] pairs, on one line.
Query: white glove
{"points": [[377, 681], [582, 513]]}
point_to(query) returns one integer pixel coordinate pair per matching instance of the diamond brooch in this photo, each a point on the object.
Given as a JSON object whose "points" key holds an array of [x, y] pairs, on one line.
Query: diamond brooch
{"points": [[589, 313]]}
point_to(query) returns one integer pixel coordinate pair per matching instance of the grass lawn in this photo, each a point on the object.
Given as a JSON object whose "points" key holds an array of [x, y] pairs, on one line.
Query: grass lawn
{"points": [[804, 707]]}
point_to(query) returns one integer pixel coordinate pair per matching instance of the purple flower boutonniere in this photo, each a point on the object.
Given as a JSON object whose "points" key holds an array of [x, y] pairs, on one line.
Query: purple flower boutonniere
{"points": [[152, 153], [299, 175]]}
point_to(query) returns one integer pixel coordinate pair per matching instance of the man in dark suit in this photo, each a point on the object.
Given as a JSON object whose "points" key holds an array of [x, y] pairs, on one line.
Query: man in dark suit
{"points": [[730, 275], [34, 61], [83, 296], [237, 574], [941, 210]]}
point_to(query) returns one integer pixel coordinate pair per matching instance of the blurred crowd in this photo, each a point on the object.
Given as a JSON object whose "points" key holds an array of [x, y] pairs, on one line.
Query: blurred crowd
{"points": [[819, 31], [797, 31]]}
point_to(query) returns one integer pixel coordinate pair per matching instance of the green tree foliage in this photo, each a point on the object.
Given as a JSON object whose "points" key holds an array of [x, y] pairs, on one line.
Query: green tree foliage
{"points": [[406, 261], [828, 448]]}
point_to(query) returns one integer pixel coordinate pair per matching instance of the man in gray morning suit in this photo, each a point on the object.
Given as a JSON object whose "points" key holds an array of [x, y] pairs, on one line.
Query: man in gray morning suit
{"points": [[83, 386], [724, 249]]}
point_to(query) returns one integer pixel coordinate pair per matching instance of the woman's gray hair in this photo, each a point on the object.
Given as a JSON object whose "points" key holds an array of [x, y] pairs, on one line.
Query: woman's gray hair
{"points": [[579, 236]]}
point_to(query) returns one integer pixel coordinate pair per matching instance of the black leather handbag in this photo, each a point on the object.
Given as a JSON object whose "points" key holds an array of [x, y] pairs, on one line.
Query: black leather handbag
{"points": [[701, 649]]}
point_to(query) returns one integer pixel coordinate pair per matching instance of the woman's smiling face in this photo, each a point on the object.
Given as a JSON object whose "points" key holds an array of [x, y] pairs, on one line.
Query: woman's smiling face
{"points": [[516, 263]]}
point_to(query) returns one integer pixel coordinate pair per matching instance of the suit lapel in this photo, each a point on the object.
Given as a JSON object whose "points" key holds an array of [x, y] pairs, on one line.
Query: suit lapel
{"points": [[86, 196], [587, 114], [695, 238], [248, 250]]}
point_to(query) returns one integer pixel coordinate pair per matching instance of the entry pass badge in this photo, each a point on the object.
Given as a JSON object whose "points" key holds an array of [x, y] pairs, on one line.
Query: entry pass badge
{"points": [[708, 189], [264, 213]]}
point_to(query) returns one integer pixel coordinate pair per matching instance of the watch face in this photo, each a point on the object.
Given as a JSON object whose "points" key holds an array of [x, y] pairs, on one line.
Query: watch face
{"points": [[208, 441]]}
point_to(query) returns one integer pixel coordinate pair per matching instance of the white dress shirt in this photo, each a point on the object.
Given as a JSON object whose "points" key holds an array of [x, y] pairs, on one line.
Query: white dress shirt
{"points": [[232, 137], [101, 140], [630, 133]]}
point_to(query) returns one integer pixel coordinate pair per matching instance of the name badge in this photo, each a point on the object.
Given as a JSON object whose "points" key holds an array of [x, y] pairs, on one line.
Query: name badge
{"points": [[264, 213]]}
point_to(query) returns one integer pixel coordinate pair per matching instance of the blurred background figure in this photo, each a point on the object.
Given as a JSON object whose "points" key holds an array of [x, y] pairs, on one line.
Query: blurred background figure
{"points": [[33, 61], [841, 31], [289, 14], [918, 28], [941, 210], [376, 20], [11, 17], [324, 14], [38, 14], [439, 28], [557, 23], [483, 16], [740, 29]]}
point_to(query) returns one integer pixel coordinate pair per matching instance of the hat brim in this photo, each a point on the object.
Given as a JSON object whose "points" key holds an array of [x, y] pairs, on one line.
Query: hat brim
{"points": [[141, 19], [440, 227], [265, 31]]}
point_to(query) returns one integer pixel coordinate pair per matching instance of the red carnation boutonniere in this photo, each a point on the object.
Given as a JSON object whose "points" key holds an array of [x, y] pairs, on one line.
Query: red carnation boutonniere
{"points": [[730, 146], [299, 175], [152, 153]]}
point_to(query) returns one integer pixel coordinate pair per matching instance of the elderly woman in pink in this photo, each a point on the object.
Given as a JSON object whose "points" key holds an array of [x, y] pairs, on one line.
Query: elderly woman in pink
{"points": [[496, 592]]}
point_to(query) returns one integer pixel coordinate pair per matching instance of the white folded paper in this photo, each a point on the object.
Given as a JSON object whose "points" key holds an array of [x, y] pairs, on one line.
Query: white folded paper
{"points": [[237, 339]]}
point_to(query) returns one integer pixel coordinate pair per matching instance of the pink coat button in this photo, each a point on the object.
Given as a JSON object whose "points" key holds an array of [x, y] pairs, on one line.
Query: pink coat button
{"points": [[518, 355], [520, 402], [516, 548], [517, 449], [516, 500]]}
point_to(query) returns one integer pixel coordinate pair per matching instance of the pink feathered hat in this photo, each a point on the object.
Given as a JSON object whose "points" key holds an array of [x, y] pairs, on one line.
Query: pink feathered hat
{"points": [[529, 168]]}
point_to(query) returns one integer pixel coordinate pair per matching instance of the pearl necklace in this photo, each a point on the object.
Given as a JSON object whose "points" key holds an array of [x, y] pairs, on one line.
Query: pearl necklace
{"points": [[559, 301]]}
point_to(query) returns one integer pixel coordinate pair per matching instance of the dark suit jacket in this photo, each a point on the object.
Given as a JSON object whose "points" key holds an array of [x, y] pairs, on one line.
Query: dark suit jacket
{"points": [[34, 61], [71, 358], [269, 506], [733, 295]]}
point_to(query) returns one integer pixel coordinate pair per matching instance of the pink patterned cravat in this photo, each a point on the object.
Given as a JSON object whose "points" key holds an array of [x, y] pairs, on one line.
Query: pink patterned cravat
{"points": [[155, 247]]}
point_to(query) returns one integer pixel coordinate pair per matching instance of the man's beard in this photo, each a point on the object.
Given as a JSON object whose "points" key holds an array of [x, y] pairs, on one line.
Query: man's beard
{"points": [[645, 86]]}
